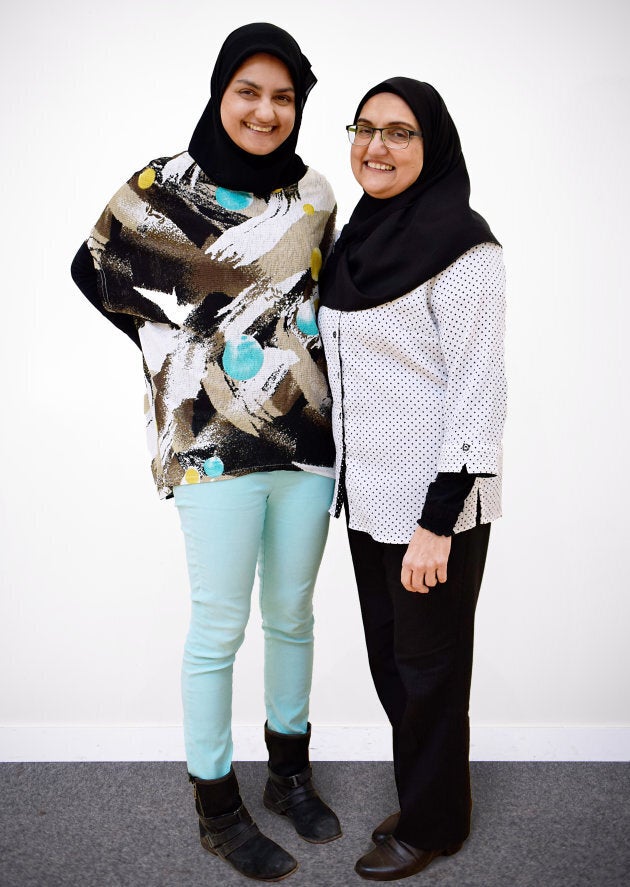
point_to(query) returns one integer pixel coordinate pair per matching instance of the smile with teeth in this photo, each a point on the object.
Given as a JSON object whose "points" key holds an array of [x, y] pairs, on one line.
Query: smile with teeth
{"points": [[372, 164], [256, 128]]}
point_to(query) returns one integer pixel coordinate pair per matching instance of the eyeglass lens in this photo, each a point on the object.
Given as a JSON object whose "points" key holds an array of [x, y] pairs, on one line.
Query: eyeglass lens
{"points": [[393, 136]]}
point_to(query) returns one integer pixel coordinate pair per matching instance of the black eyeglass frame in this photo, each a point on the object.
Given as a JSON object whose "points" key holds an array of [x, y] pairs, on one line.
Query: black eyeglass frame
{"points": [[351, 129]]}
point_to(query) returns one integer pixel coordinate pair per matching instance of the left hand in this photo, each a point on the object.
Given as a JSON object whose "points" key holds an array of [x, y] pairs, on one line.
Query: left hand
{"points": [[424, 563]]}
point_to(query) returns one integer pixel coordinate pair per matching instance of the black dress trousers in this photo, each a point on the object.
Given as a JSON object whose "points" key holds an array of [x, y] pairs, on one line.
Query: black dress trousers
{"points": [[420, 650]]}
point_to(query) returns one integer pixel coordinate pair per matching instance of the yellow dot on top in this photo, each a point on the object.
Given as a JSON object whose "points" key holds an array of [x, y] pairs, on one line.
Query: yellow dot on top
{"points": [[316, 263], [309, 209], [277, 191], [146, 178], [191, 476]]}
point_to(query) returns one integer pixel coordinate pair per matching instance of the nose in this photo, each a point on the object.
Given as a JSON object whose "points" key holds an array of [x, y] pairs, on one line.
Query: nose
{"points": [[377, 146], [265, 110]]}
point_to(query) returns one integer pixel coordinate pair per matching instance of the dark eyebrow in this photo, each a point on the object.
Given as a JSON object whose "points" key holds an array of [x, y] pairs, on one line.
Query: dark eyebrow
{"points": [[393, 123], [258, 86]]}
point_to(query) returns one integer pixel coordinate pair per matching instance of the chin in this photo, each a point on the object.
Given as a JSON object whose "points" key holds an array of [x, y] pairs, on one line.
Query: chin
{"points": [[253, 146], [258, 152], [382, 193]]}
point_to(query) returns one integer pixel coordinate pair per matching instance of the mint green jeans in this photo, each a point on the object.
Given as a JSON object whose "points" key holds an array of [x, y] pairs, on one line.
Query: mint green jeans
{"points": [[277, 520]]}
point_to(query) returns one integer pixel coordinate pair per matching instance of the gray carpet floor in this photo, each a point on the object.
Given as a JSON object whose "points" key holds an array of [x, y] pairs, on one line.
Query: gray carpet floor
{"points": [[133, 825]]}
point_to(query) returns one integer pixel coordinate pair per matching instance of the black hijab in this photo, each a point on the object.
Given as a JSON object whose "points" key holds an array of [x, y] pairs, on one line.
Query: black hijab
{"points": [[390, 246], [212, 148]]}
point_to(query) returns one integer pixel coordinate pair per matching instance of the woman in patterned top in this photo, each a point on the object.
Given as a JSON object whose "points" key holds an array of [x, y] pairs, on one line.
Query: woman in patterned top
{"points": [[412, 324], [209, 260]]}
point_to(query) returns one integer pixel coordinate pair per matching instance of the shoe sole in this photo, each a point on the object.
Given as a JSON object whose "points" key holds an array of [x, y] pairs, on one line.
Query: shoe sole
{"points": [[244, 874], [380, 876]]}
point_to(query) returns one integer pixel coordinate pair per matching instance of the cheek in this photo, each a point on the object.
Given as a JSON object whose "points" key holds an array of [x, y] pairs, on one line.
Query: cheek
{"points": [[413, 169], [419, 159], [227, 113], [356, 160]]}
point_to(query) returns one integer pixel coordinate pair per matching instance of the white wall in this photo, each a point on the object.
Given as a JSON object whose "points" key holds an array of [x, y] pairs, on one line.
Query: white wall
{"points": [[94, 589]]}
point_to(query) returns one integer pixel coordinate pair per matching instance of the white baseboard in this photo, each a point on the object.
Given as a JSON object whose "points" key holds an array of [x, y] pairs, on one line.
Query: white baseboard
{"points": [[333, 743]]}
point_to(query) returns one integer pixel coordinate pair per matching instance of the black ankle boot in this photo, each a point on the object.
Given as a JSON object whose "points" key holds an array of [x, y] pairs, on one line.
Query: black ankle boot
{"points": [[290, 791], [227, 830]]}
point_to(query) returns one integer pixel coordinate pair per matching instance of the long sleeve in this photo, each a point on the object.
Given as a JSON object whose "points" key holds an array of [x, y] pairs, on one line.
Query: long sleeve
{"points": [[445, 500], [468, 304], [85, 276]]}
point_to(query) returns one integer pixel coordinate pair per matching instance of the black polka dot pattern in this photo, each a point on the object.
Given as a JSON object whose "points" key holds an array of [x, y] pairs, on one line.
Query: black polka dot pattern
{"points": [[419, 387]]}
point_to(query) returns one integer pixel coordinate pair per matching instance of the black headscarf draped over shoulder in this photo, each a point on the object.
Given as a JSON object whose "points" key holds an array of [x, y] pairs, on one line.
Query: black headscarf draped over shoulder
{"points": [[391, 246], [212, 148]]}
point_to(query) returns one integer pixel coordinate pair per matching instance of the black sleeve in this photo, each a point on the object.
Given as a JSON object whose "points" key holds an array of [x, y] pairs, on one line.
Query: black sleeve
{"points": [[445, 500], [85, 276]]}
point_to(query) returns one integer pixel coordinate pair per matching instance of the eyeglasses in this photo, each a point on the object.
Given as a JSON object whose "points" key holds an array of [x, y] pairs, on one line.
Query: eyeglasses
{"points": [[392, 136]]}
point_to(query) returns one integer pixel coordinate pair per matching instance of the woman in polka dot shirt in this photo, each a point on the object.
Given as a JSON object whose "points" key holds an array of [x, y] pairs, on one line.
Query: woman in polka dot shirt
{"points": [[209, 261], [412, 321]]}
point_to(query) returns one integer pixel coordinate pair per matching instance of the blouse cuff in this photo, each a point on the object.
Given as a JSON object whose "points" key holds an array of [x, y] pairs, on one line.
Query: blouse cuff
{"points": [[467, 456]]}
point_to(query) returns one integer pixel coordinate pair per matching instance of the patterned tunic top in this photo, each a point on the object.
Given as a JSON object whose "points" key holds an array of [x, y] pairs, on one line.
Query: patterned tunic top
{"points": [[222, 286], [418, 388]]}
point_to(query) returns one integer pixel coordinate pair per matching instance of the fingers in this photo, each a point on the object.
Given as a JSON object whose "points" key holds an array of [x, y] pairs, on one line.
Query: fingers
{"points": [[407, 579], [424, 563], [422, 581], [416, 580], [431, 579]]}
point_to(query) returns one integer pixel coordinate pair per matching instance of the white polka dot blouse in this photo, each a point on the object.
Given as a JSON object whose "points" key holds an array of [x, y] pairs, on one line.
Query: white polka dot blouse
{"points": [[419, 387]]}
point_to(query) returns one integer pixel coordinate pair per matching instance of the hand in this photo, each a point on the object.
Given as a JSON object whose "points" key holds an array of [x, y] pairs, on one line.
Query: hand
{"points": [[424, 563]]}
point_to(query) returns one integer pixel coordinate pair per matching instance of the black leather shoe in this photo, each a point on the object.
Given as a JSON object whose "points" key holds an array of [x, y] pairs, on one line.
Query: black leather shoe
{"points": [[393, 859], [386, 828], [296, 798]]}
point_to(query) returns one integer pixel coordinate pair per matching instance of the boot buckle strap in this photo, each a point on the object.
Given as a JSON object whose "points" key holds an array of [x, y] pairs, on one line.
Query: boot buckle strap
{"points": [[295, 797], [227, 820], [240, 835], [296, 781], [219, 837]]}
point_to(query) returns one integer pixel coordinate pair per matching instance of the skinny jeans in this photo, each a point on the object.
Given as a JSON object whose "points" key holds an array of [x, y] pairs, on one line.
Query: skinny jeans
{"points": [[277, 520], [420, 651]]}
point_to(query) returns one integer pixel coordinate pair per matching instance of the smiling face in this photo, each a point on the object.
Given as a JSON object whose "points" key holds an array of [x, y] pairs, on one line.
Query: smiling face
{"points": [[381, 171], [258, 106]]}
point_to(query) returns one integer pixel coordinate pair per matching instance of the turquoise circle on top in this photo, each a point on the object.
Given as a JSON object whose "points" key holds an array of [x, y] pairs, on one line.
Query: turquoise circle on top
{"points": [[243, 357], [306, 322], [213, 467], [234, 199]]}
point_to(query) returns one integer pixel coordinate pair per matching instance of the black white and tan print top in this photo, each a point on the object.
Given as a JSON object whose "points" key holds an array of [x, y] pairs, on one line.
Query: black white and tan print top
{"points": [[419, 388], [221, 286]]}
